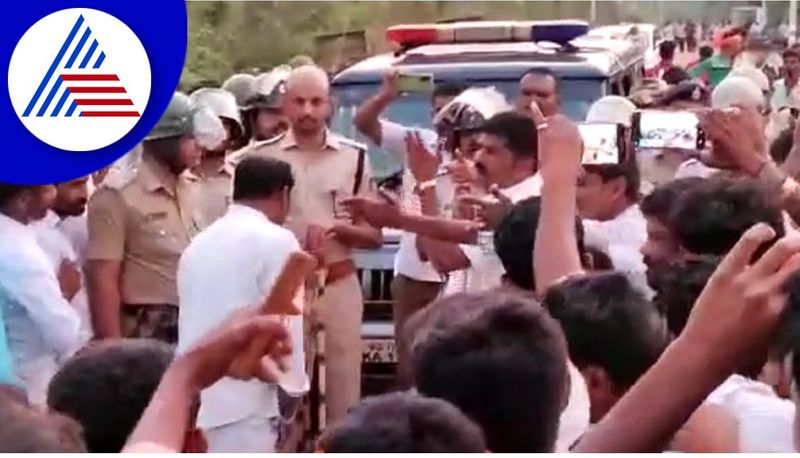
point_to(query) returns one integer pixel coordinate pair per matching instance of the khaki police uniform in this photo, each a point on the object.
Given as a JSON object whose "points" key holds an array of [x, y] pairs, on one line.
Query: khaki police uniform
{"points": [[323, 177], [214, 194], [144, 217]]}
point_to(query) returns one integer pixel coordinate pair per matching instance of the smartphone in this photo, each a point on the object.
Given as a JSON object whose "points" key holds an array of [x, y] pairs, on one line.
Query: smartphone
{"points": [[415, 82], [603, 144], [667, 129]]}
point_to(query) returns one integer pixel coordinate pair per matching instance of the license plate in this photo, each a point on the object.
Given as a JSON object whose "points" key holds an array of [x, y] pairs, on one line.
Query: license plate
{"points": [[379, 351]]}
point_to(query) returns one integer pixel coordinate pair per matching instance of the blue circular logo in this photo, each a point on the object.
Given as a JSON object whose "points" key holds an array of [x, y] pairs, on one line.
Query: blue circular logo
{"points": [[86, 83]]}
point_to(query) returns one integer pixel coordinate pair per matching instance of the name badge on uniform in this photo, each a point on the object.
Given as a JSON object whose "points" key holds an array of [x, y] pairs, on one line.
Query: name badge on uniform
{"points": [[156, 216]]}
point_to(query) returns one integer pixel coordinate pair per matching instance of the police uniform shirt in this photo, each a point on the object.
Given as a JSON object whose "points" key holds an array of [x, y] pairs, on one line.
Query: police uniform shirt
{"points": [[214, 194], [143, 217], [322, 179]]}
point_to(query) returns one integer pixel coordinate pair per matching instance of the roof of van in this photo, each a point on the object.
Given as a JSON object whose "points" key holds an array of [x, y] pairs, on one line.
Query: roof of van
{"points": [[588, 57]]}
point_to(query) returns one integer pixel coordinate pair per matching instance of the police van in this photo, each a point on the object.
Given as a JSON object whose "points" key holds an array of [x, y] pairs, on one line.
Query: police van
{"points": [[482, 54]]}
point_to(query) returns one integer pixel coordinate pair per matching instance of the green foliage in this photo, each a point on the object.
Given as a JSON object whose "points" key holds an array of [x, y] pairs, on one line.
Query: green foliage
{"points": [[226, 37]]}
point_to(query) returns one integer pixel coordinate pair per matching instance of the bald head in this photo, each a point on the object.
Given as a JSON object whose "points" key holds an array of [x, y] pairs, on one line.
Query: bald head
{"points": [[307, 76], [307, 102]]}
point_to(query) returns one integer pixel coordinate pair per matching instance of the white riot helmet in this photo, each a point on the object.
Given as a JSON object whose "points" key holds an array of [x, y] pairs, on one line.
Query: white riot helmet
{"points": [[269, 87], [465, 114], [470, 109], [221, 102]]}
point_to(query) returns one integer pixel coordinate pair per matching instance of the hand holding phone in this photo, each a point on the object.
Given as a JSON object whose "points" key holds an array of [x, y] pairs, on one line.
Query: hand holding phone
{"points": [[655, 129], [415, 82], [603, 144]]}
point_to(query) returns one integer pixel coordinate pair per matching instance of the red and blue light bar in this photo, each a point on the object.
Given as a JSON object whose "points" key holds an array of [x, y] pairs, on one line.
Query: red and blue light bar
{"points": [[559, 32]]}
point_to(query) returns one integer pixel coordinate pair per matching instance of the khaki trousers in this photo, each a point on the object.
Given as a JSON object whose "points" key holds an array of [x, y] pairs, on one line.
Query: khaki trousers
{"points": [[409, 295], [340, 308]]}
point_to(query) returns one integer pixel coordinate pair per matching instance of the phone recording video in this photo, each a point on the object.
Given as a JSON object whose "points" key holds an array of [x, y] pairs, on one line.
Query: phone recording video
{"points": [[602, 143], [415, 82], [667, 129]]}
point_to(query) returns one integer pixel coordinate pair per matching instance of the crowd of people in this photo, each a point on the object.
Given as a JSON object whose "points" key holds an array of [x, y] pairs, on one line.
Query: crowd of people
{"points": [[540, 304]]}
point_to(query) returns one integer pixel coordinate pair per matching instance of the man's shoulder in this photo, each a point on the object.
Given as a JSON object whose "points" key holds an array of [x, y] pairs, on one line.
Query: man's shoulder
{"points": [[119, 178], [349, 144], [258, 147]]}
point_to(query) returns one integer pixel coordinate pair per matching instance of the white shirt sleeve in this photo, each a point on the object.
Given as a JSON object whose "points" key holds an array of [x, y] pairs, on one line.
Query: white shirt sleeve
{"points": [[40, 294], [393, 139]]}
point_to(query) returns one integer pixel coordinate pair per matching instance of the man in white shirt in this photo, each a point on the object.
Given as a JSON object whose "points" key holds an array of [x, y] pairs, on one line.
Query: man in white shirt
{"points": [[506, 160], [416, 283], [231, 265], [42, 328], [785, 92], [62, 234], [608, 197]]}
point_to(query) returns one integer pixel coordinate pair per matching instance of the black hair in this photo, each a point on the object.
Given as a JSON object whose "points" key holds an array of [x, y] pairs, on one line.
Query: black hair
{"points": [[675, 75], [517, 131], [781, 147], [666, 50], [711, 216], [106, 388], [9, 192], [27, 430], [662, 200], [687, 91], [447, 90], [794, 51], [261, 177], [404, 423], [514, 240], [678, 285], [628, 170], [544, 72], [608, 324], [505, 368], [705, 52]]}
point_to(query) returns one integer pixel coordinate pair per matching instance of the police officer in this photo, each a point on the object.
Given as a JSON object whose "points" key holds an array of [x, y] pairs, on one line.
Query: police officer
{"points": [[263, 113], [327, 168], [215, 180], [140, 220]]}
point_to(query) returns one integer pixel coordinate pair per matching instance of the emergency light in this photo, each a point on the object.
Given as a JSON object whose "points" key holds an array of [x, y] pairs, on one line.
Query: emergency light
{"points": [[559, 32]]}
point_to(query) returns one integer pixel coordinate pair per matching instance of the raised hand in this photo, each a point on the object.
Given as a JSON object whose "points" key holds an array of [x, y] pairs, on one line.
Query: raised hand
{"points": [[740, 307], [560, 150], [490, 210], [422, 163], [379, 211], [738, 137], [389, 85]]}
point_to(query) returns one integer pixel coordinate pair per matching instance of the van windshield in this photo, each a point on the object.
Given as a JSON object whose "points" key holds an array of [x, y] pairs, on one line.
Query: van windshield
{"points": [[414, 110]]}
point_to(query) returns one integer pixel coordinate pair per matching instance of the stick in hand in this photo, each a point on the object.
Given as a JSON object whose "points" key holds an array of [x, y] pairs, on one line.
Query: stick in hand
{"points": [[281, 301]]}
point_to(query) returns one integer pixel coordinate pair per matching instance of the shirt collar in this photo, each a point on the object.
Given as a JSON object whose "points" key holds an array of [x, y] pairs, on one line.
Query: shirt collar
{"points": [[526, 188], [156, 176], [246, 211], [288, 141]]}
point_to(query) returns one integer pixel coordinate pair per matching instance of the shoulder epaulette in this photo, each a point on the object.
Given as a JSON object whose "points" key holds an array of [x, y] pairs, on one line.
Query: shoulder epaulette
{"points": [[353, 143], [119, 178]]}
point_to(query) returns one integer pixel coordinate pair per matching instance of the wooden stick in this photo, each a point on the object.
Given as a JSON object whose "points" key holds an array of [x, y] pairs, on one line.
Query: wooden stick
{"points": [[281, 298], [280, 301]]}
